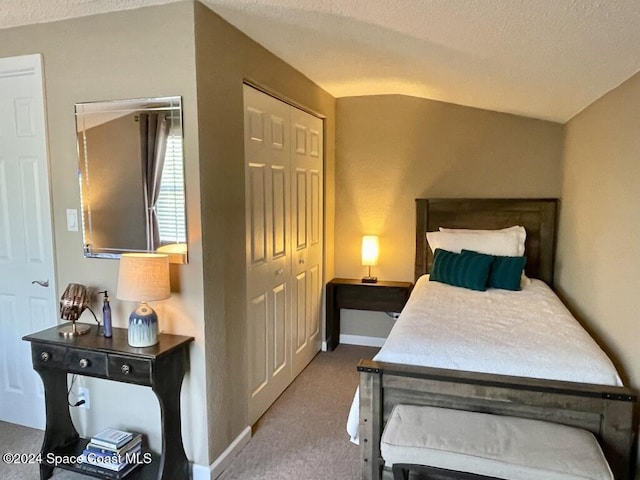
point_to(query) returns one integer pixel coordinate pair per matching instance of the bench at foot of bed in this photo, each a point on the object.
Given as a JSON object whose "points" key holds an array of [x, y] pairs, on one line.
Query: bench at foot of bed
{"points": [[439, 443]]}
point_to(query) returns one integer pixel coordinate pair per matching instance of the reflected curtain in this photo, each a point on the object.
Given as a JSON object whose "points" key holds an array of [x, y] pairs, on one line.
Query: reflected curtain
{"points": [[154, 131]]}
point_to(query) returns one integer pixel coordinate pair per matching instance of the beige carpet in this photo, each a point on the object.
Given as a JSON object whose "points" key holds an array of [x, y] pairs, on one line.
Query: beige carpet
{"points": [[302, 436], [17, 439]]}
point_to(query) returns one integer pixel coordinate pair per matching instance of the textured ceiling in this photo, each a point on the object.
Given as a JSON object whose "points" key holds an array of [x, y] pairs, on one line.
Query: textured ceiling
{"points": [[541, 58]]}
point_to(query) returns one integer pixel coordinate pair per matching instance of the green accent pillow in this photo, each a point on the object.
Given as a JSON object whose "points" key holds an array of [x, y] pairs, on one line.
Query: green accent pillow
{"points": [[470, 270], [506, 272]]}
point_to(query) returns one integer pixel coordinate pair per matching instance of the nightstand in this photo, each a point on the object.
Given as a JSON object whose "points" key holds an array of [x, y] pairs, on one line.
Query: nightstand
{"points": [[352, 293]]}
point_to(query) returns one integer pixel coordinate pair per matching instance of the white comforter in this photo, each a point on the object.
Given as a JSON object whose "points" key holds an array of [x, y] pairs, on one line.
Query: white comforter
{"points": [[529, 333]]}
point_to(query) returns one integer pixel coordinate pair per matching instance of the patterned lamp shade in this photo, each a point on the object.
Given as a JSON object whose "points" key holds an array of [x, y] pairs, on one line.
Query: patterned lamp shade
{"points": [[143, 277]]}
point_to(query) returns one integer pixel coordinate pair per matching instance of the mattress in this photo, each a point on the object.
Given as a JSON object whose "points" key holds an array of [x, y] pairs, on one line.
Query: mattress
{"points": [[529, 333]]}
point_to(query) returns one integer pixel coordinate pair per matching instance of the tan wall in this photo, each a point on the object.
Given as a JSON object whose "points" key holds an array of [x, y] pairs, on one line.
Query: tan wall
{"points": [[393, 149], [598, 261], [129, 54], [224, 58]]}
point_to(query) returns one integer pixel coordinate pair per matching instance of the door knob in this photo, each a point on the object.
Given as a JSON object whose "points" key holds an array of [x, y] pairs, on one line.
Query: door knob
{"points": [[42, 283], [301, 261], [279, 272]]}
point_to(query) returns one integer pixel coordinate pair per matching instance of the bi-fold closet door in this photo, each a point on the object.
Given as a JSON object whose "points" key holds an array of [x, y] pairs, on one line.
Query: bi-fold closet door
{"points": [[284, 249]]}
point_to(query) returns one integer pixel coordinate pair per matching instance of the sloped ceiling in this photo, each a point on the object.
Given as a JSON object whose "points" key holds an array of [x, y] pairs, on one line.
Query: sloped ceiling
{"points": [[547, 59]]}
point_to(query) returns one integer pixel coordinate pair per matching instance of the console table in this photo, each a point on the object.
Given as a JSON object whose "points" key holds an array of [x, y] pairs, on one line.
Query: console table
{"points": [[161, 367]]}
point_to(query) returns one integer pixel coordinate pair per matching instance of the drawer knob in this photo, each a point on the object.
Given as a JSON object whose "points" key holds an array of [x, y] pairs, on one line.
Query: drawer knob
{"points": [[84, 363], [125, 368], [44, 356]]}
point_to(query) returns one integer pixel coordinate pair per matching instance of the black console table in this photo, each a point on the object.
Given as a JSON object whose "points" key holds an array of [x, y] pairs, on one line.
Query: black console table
{"points": [[161, 367]]}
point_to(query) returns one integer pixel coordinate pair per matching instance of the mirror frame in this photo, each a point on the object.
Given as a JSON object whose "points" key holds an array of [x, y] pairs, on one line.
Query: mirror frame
{"points": [[92, 114]]}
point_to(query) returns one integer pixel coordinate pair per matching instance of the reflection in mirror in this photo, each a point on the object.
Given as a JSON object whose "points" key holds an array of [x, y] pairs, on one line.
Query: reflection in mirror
{"points": [[131, 172]]}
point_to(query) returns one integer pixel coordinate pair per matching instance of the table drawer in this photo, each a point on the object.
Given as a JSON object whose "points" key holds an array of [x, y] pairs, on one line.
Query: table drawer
{"points": [[365, 297], [85, 362], [127, 369], [48, 356]]}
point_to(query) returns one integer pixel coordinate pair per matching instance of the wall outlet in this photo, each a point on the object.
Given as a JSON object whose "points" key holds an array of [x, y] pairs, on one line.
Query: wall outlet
{"points": [[83, 394]]}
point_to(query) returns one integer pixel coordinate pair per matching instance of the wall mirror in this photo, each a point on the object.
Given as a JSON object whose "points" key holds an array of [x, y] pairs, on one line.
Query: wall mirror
{"points": [[131, 172]]}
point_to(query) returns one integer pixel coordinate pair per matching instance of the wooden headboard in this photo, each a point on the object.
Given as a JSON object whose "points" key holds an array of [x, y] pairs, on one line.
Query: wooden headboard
{"points": [[537, 216]]}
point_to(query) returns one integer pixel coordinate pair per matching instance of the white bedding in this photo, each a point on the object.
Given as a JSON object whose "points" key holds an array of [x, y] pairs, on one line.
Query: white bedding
{"points": [[529, 333]]}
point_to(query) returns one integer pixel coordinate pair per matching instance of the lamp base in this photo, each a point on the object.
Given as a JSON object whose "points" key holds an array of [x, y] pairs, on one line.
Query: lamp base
{"points": [[74, 330], [143, 326], [369, 279]]}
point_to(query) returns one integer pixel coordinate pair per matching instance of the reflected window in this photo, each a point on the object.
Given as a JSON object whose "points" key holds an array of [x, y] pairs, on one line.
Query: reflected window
{"points": [[171, 201]]}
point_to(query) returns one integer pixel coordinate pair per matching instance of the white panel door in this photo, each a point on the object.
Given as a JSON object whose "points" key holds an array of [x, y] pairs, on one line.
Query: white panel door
{"points": [[267, 190], [307, 235], [26, 241]]}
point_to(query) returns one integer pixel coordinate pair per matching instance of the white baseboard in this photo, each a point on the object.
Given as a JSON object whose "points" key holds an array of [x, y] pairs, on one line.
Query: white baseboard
{"points": [[324, 348], [213, 471], [361, 340]]}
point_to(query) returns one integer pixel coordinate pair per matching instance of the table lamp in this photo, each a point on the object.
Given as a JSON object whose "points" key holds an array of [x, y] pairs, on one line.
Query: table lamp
{"points": [[73, 302], [369, 256], [143, 277]]}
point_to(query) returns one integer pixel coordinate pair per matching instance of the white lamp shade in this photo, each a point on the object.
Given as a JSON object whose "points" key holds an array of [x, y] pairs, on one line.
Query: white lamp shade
{"points": [[369, 250], [143, 277]]}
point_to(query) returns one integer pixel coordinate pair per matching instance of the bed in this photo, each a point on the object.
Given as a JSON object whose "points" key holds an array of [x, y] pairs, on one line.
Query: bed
{"points": [[451, 370]]}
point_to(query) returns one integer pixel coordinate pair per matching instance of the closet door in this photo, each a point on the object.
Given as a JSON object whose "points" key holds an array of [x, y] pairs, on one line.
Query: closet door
{"points": [[267, 190], [307, 234]]}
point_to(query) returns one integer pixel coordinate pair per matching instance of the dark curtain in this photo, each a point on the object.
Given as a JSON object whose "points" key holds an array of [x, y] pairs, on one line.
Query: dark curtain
{"points": [[154, 131]]}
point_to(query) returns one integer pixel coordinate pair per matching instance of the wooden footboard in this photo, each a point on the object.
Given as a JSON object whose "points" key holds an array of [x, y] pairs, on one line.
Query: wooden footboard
{"points": [[608, 412]]}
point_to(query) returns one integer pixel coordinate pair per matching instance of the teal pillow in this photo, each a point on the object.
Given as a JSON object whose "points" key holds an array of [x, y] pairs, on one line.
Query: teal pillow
{"points": [[506, 272], [470, 270]]}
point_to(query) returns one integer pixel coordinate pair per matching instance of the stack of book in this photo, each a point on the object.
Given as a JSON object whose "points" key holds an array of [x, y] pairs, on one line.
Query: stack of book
{"points": [[112, 453]]}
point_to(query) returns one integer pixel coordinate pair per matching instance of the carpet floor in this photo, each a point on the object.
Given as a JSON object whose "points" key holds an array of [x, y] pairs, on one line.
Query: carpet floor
{"points": [[302, 436]]}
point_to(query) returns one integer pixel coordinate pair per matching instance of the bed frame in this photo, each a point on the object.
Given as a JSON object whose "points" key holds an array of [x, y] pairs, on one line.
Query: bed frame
{"points": [[608, 412]]}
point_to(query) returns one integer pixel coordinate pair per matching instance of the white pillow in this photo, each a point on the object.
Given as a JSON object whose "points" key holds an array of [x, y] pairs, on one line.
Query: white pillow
{"points": [[490, 244], [520, 234], [505, 244]]}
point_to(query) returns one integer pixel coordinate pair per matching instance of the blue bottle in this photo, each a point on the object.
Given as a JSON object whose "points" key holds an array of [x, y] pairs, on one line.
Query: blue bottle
{"points": [[106, 315]]}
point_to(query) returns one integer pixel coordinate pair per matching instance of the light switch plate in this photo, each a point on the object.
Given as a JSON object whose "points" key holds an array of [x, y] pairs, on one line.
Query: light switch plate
{"points": [[72, 220]]}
